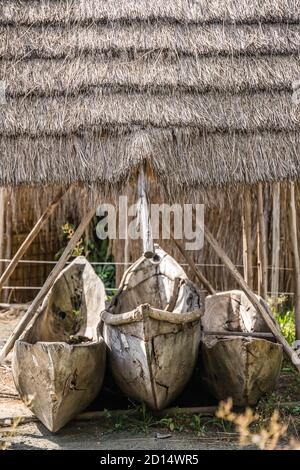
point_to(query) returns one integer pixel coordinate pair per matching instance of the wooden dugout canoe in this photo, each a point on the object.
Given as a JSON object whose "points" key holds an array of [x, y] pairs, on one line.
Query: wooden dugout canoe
{"points": [[243, 368], [152, 330], [59, 361]]}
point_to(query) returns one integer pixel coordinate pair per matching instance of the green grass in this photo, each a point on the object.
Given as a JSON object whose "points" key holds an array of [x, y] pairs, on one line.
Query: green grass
{"points": [[286, 320]]}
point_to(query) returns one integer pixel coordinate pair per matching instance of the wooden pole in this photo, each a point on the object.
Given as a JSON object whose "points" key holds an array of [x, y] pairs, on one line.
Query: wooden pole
{"points": [[47, 286], [296, 259], [144, 216], [3, 193], [262, 251], [275, 241], [247, 238], [202, 279], [8, 235], [266, 315], [28, 241], [239, 333]]}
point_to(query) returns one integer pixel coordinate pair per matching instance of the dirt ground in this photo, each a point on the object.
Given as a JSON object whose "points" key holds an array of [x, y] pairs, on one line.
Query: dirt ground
{"points": [[105, 434]]}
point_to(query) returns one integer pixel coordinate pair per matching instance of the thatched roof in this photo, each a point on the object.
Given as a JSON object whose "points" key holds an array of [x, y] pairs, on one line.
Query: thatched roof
{"points": [[202, 89]]}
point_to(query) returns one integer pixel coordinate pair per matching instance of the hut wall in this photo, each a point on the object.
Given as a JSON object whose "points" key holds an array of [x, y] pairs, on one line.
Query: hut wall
{"points": [[223, 216], [27, 206]]}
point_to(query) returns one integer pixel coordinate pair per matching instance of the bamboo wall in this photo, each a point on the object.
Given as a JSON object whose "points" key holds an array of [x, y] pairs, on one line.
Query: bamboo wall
{"points": [[223, 217]]}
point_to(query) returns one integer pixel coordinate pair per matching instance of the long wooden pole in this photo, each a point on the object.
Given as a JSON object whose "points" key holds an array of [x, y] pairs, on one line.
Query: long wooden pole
{"points": [[2, 222], [144, 216], [262, 245], [275, 241], [247, 239], [266, 315], [47, 286], [296, 259], [8, 235], [28, 240], [202, 279]]}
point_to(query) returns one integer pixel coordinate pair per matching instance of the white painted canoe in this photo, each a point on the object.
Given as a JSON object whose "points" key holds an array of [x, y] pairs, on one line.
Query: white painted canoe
{"points": [[152, 330], [241, 367], [59, 361]]}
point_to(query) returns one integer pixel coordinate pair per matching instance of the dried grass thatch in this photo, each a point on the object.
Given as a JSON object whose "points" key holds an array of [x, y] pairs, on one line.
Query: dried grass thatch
{"points": [[200, 89]]}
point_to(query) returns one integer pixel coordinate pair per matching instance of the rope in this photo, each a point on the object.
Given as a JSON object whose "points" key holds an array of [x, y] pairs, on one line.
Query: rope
{"points": [[120, 263]]}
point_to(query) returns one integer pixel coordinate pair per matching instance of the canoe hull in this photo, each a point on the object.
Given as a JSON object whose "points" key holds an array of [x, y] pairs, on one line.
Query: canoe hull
{"points": [[152, 360], [61, 380], [241, 368], [59, 361]]}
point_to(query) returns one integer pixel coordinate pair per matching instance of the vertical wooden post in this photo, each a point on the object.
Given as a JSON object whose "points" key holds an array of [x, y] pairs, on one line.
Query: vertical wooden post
{"points": [[275, 241], [8, 234], [296, 259], [144, 216], [247, 239], [2, 226], [262, 249]]}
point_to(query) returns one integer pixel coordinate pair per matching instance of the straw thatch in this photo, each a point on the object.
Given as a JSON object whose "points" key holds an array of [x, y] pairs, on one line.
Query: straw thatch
{"points": [[200, 89]]}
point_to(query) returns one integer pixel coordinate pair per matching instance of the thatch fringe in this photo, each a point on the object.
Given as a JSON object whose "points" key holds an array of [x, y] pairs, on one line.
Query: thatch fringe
{"points": [[154, 74], [59, 42], [49, 11], [97, 111], [184, 161]]}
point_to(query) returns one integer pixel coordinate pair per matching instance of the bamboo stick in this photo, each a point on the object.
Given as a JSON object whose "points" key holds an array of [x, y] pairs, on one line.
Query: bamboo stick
{"points": [[247, 239], [266, 315], [8, 235], [144, 216], [296, 259], [201, 278], [3, 196], [28, 240], [262, 252], [275, 241], [47, 286]]}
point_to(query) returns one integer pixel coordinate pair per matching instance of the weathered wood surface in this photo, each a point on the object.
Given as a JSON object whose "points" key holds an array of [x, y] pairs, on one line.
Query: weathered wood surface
{"points": [[260, 307], [59, 362], [33, 310], [144, 215], [153, 351], [243, 368]]}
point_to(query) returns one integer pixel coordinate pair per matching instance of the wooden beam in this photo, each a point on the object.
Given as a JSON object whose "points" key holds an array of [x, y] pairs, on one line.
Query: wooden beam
{"points": [[144, 216], [265, 313], [262, 249], [239, 333], [247, 238], [275, 241], [28, 240], [296, 259], [201, 278], [33, 309]]}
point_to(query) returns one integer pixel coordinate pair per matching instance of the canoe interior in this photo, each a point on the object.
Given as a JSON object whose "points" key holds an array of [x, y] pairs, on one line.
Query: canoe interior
{"points": [[157, 283], [59, 362], [243, 368], [72, 307], [152, 358]]}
